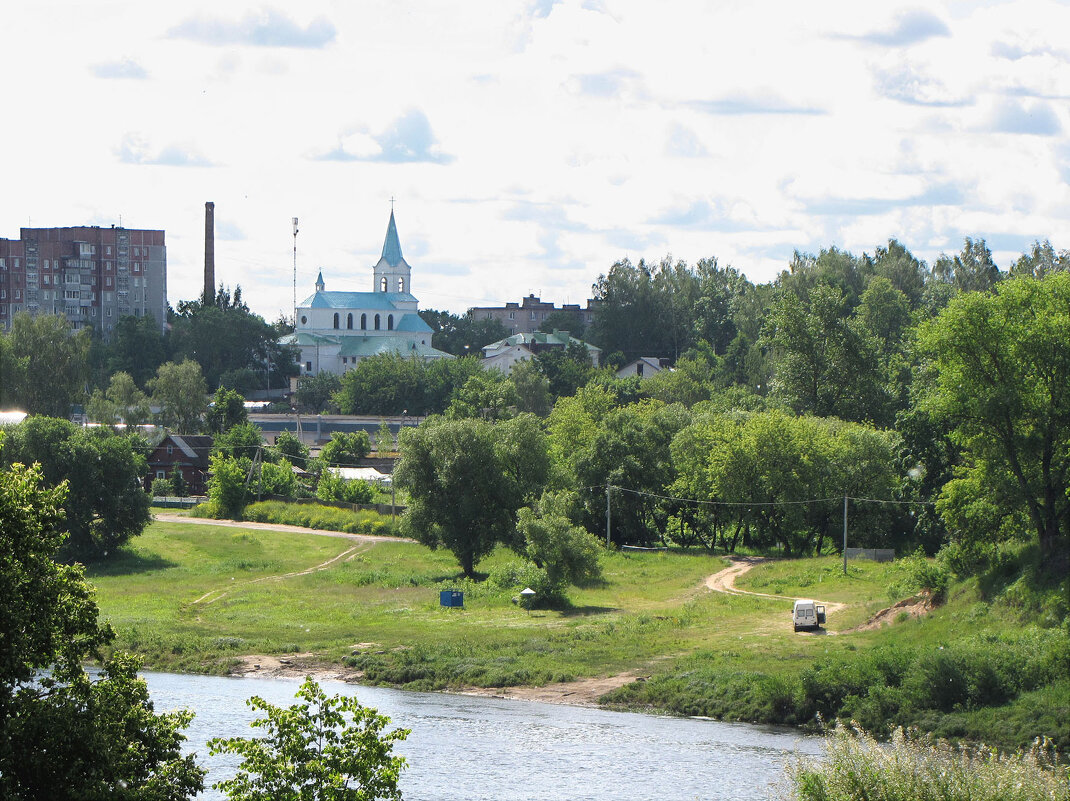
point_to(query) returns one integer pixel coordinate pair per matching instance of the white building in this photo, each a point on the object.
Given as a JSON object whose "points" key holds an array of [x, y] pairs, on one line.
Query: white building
{"points": [[335, 330], [504, 353]]}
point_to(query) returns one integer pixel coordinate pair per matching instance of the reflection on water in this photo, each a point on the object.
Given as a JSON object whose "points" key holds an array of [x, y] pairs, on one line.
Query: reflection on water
{"points": [[469, 748]]}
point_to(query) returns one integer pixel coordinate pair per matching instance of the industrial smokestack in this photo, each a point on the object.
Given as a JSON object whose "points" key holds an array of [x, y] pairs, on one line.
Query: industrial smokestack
{"points": [[209, 253]]}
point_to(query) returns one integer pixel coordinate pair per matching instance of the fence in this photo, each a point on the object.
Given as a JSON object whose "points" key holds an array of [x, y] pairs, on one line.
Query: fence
{"points": [[876, 554]]}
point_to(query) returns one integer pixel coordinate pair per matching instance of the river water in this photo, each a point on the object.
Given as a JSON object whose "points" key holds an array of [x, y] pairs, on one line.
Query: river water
{"points": [[465, 748]]}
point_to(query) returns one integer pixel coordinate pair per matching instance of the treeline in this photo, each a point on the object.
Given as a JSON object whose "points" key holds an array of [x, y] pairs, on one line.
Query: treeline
{"points": [[934, 399], [46, 368]]}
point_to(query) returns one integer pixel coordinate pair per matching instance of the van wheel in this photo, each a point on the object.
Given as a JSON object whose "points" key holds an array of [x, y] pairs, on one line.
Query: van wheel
{"points": [[796, 629]]}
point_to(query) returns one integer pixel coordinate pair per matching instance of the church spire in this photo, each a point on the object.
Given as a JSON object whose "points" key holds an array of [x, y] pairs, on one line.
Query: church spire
{"points": [[319, 282], [392, 247]]}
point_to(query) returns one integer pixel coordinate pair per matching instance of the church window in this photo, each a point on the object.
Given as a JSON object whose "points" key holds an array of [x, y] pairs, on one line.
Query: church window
{"points": [[401, 285], [382, 284], [349, 320], [390, 322], [336, 319], [303, 319], [364, 322], [377, 322]]}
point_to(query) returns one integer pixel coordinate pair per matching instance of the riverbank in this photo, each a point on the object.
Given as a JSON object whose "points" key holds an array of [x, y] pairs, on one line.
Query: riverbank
{"points": [[199, 597]]}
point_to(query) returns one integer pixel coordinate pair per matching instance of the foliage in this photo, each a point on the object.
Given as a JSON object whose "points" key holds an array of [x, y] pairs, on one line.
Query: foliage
{"points": [[629, 451], [323, 748], [532, 388], [917, 768], [62, 734], [391, 384], [315, 393], [1002, 365], [766, 467], [105, 504], [162, 488], [346, 448], [122, 401], [311, 515], [279, 479], [137, 347], [45, 364], [384, 440], [227, 492], [461, 336], [487, 395], [180, 391], [567, 369], [224, 337], [466, 480], [178, 483], [289, 447], [226, 410], [332, 487], [241, 440], [565, 553]]}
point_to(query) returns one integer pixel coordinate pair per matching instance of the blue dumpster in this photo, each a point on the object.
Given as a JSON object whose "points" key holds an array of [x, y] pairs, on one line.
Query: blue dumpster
{"points": [[451, 598]]}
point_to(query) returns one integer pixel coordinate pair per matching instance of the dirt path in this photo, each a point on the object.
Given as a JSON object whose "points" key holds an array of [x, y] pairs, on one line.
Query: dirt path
{"points": [[725, 581], [168, 517], [212, 596]]}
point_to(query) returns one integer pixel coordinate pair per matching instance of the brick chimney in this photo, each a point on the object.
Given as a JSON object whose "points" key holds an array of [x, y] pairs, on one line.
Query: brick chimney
{"points": [[209, 253]]}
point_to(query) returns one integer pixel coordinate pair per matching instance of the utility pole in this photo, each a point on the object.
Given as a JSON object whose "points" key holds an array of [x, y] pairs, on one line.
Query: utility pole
{"points": [[295, 275], [608, 515], [845, 535]]}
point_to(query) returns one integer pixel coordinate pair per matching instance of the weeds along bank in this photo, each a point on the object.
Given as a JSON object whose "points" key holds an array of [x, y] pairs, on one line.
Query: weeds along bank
{"points": [[200, 598]]}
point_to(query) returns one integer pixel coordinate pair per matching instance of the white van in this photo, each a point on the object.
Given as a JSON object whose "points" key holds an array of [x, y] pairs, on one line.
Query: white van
{"points": [[807, 614]]}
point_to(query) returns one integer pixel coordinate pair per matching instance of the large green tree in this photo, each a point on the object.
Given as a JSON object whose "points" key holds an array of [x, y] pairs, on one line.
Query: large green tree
{"points": [[64, 734], [104, 502], [181, 393], [466, 480], [1002, 364], [47, 365]]}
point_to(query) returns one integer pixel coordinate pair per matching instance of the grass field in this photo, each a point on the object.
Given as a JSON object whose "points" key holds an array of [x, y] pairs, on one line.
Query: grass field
{"points": [[197, 597]]}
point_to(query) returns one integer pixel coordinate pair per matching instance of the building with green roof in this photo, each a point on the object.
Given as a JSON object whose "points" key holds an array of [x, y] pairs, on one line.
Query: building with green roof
{"points": [[335, 330]]}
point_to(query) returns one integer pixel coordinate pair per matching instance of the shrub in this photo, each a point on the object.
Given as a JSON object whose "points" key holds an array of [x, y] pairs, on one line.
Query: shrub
{"points": [[310, 515], [332, 487], [857, 766], [162, 488]]}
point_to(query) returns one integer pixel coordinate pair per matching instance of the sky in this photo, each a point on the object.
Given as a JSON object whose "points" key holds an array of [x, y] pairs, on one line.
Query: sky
{"points": [[528, 146]]}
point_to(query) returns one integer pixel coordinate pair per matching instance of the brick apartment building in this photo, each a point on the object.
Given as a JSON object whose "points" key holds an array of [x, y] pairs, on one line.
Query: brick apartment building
{"points": [[526, 317], [92, 275]]}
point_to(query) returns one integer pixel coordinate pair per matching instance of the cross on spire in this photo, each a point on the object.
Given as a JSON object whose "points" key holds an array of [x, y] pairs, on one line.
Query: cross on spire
{"points": [[391, 204]]}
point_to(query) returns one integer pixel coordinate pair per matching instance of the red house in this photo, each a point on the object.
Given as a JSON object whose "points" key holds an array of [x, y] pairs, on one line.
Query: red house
{"points": [[188, 454]]}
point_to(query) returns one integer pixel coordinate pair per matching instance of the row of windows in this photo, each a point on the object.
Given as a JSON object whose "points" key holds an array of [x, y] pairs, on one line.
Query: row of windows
{"points": [[364, 322]]}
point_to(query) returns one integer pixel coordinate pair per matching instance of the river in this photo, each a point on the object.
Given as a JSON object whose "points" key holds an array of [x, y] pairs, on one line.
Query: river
{"points": [[465, 748]]}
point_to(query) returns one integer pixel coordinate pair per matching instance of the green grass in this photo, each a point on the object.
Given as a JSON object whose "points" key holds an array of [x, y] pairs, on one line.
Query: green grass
{"points": [[197, 597]]}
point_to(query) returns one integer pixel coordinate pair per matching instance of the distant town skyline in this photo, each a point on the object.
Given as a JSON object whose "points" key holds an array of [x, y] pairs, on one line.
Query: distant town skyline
{"points": [[530, 145]]}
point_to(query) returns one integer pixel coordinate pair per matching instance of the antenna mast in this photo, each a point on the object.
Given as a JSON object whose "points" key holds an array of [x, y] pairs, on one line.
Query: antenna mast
{"points": [[295, 274]]}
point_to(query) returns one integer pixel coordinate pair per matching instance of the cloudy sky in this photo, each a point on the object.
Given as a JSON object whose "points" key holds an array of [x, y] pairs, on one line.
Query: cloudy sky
{"points": [[529, 145]]}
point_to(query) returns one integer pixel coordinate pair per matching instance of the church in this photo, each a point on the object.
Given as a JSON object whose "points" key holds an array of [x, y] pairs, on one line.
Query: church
{"points": [[335, 330]]}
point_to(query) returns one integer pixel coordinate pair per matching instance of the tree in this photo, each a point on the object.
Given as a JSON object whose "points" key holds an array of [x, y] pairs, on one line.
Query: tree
{"points": [[563, 320], [466, 480], [532, 388], [225, 337], [122, 401], [226, 411], [48, 364], [971, 270], [227, 493], [565, 369], [137, 348], [565, 553], [241, 441], [289, 447], [1002, 365], [180, 392], [1041, 260], [346, 448], [329, 749], [105, 504], [462, 336], [488, 395], [335, 488], [62, 733], [315, 393]]}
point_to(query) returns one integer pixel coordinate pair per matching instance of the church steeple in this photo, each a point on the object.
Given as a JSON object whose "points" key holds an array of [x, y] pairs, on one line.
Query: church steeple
{"points": [[392, 247], [319, 282], [392, 273]]}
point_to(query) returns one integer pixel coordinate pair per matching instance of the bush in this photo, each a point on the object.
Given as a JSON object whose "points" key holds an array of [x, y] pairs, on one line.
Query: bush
{"points": [[162, 488], [916, 768], [917, 573], [310, 515], [332, 487]]}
